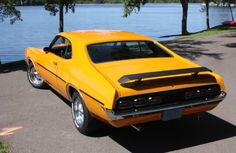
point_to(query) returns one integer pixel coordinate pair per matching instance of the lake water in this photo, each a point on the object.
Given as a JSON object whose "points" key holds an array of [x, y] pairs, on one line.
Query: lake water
{"points": [[154, 20]]}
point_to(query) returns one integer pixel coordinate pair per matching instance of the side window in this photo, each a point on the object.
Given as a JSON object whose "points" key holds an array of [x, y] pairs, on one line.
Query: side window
{"points": [[145, 48], [62, 47]]}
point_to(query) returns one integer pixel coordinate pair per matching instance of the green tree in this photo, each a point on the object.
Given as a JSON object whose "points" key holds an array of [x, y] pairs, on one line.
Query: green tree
{"points": [[55, 6], [132, 5], [207, 13], [135, 5], [206, 9], [184, 4], [229, 5], [8, 10]]}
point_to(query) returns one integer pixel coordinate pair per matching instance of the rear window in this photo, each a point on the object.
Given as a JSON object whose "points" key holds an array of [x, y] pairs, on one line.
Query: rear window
{"points": [[123, 50]]}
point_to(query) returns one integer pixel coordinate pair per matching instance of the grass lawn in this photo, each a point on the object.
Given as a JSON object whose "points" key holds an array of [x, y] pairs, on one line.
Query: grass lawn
{"points": [[213, 31], [4, 148]]}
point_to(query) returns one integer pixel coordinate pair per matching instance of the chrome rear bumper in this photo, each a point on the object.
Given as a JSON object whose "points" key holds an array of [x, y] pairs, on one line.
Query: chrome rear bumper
{"points": [[192, 103]]}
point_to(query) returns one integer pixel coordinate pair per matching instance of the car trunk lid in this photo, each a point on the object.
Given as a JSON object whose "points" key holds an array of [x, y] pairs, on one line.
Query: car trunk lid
{"points": [[114, 71]]}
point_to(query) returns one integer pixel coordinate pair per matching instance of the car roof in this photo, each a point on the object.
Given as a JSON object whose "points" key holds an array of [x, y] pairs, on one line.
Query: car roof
{"points": [[96, 36]]}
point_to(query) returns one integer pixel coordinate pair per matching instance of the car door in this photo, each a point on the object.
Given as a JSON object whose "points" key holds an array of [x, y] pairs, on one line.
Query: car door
{"points": [[64, 65], [52, 58]]}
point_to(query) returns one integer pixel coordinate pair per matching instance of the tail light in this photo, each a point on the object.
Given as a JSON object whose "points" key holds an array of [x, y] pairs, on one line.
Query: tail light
{"points": [[202, 92], [167, 97], [214, 91], [139, 102], [126, 104], [154, 100]]}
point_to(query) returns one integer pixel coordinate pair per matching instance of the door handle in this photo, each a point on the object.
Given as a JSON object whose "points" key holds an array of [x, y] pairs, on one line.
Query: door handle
{"points": [[55, 63]]}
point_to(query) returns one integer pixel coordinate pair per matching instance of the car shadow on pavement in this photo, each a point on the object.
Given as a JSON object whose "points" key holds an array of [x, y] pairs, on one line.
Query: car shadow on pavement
{"points": [[168, 136], [192, 49], [13, 66], [174, 135]]}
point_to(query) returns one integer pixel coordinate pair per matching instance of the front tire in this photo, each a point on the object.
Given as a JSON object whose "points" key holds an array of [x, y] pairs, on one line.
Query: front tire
{"points": [[83, 120], [34, 78]]}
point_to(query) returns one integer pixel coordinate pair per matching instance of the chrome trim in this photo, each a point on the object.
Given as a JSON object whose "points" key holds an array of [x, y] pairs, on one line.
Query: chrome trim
{"points": [[114, 116]]}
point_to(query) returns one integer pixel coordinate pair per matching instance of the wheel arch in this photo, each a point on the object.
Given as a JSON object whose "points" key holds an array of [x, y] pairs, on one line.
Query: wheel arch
{"points": [[29, 60], [71, 89]]}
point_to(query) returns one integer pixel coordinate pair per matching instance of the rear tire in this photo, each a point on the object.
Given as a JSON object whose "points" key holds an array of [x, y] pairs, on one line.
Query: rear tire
{"points": [[83, 120], [34, 78]]}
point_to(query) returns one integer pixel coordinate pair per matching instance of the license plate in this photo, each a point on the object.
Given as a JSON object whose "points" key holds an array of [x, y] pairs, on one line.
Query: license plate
{"points": [[172, 114]]}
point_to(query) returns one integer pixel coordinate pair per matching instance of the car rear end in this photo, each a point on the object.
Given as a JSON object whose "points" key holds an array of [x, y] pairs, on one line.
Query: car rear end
{"points": [[153, 83], [165, 105], [165, 94]]}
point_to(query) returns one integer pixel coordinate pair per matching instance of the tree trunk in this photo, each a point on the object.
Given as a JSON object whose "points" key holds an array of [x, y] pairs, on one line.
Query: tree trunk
{"points": [[232, 15], [61, 17], [207, 14], [184, 4]]}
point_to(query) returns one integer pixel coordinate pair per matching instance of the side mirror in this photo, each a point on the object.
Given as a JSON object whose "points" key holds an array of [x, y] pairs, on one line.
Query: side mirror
{"points": [[46, 49]]}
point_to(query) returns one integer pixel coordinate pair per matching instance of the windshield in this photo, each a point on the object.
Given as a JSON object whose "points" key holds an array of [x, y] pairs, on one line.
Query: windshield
{"points": [[123, 50]]}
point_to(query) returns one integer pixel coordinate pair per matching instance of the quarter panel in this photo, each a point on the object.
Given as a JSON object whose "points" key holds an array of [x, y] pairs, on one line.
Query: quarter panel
{"points": [[83, 76]]}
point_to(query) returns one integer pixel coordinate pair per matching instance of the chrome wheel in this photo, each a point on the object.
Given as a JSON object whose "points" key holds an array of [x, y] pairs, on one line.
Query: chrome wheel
{"points": [[78, 112], [34, 77], [83, 120]]}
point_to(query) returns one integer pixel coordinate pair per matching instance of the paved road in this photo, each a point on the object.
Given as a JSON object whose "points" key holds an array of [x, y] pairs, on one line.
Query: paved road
{"points": [[39, 121]]}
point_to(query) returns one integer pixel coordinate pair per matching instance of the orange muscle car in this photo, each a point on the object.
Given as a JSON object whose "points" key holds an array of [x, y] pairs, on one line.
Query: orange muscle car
{"points": [[122, 78]]}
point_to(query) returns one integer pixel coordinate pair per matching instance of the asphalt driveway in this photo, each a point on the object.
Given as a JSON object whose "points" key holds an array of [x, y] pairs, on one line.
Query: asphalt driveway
{"points": [[39, 121]]}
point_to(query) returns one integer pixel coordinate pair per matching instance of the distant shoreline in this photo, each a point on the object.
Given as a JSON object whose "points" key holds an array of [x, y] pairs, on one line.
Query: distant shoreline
{"points": [[106, 4], [115, 3], [221, 6]]}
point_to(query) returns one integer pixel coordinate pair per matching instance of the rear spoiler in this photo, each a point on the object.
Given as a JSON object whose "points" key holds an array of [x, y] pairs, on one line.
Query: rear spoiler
{"points": [[139, 77]]}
